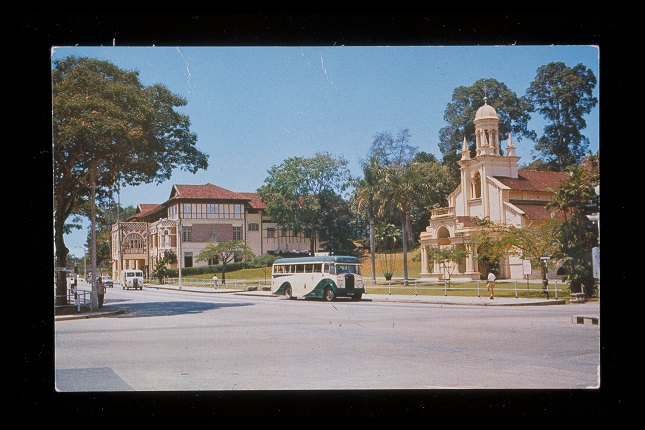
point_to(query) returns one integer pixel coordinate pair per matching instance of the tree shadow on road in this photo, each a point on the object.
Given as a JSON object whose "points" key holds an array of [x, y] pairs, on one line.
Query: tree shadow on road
{"points": [[155, 309]]}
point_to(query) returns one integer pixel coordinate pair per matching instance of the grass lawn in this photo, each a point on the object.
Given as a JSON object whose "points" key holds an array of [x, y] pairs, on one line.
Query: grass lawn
{"points": [[503, 288]]}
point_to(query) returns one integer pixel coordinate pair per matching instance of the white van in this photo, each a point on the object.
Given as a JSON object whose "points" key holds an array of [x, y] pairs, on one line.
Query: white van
{"points": [[132, 279]]}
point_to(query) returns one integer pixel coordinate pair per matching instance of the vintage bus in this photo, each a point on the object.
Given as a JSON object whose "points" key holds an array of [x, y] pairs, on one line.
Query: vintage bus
{"points": [[323, 277], [132, 279]]}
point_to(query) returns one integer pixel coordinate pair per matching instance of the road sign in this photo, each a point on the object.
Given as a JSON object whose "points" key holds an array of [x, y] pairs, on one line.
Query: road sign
{"points": [[526, 266]]}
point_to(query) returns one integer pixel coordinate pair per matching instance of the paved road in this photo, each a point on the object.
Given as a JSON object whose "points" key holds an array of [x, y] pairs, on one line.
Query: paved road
{"points": [[413, 333]]}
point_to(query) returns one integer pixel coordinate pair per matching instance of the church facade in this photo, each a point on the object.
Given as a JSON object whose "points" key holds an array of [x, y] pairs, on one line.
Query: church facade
{"points": [[491, 187]]}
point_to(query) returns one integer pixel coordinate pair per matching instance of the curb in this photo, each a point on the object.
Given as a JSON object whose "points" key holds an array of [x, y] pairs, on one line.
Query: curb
{"points": [[88, 315], [576, 319]]}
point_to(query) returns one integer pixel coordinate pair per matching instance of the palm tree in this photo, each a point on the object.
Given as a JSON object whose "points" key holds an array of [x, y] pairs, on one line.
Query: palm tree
{"points": [[364, 200], [387, 236], [401, 186]]}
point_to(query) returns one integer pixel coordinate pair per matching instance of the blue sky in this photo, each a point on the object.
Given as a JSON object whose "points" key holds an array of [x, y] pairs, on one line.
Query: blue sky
{"points": [[253, 107]]}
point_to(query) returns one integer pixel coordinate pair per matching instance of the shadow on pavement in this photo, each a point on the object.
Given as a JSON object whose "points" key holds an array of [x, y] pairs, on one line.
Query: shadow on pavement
{"points": [[154, 309]]}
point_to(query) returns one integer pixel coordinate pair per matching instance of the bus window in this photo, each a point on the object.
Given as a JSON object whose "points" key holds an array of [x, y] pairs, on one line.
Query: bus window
{"points": [[317, 268], [300, 268], [347, 268]]}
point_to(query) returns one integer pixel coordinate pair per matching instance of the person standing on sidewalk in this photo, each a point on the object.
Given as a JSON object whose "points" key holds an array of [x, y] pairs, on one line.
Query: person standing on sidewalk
{"points": [[490, 285], [100, 288], [214, 281]]}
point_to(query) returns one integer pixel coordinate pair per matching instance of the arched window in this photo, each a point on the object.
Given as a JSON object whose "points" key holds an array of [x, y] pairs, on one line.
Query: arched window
{"points": [[133, 242], [477, 186]]}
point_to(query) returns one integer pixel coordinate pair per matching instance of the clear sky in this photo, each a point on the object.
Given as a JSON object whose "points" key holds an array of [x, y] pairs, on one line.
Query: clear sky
{"points": [[253, 107]]}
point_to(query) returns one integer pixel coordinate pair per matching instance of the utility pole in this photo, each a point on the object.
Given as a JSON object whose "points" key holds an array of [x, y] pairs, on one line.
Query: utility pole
{"points": [[94, 296]]}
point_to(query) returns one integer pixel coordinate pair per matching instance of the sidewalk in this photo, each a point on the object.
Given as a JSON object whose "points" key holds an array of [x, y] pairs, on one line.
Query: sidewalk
{"points": [[441, 300], [589, 312]]}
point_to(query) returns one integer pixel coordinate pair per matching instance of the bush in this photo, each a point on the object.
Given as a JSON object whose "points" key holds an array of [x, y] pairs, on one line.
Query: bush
{"points": [[216, 269]]}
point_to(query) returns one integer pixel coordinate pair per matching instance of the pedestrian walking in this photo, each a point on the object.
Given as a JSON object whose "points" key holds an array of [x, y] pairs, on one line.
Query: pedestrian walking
{"points": [[215, 281], [490, 285], [100, 288]]}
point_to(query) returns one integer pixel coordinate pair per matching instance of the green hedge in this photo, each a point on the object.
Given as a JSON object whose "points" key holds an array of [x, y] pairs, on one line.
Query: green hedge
{"points": [[216, 269]]}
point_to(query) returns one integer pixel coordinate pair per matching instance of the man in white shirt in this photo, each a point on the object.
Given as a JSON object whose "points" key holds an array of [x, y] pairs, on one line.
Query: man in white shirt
{"points": [[490, 286]]}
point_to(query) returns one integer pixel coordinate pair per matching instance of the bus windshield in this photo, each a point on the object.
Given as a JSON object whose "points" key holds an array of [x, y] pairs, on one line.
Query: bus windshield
{"points": [[345, 268]]}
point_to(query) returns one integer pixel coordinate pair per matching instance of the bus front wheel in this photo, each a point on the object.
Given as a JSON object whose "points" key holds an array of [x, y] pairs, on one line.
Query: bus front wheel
{"points": [[288, 294], [328, 294]]}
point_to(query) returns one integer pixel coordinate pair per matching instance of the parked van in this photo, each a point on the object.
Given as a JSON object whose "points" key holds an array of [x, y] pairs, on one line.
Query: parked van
{"points": [[132, 279]]}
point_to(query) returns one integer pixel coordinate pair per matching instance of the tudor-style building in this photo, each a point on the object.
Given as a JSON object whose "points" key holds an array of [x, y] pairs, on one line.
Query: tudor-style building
{"points": [[192, 217], [491, 187]]}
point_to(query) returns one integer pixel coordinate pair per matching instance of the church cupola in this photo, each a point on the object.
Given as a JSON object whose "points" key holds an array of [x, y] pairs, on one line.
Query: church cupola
{"points": [[486, 130]]}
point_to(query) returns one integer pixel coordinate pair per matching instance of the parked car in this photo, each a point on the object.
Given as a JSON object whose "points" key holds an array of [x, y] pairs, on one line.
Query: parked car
{"points": [[107, 280]]}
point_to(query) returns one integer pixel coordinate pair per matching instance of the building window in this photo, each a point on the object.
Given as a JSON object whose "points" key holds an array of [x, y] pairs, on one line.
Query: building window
{"points": [[237, 233], [187, 234], [283, 232], [270, 233], [477, 186], [187, 209], [188, 259], [133, 243], [254, 226], [213, 237], [210, 208]]}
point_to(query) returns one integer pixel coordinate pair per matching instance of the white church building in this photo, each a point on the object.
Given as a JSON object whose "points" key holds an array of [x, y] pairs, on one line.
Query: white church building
{"points": [[491, 187]]}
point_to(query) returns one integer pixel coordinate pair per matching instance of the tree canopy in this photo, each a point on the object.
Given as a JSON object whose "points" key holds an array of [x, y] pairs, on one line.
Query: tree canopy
{"points": [[109, 129], [563, 96], [294, 190], [513, 111]]}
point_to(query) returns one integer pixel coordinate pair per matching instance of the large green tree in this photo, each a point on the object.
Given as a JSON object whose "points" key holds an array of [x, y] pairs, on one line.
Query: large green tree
{"points": [[335, 224], [293, 191], [577, 236], [440, 185], [400, 184], [513, 111], [563, 96], [108, 128]]}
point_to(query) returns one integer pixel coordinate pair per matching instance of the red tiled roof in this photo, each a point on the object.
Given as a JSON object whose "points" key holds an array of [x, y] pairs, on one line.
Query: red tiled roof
{"points": [[207, 191], [534, 180], [467, 221], [146, 209], [537, 211], [256, 201]]}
